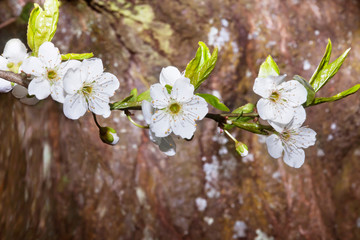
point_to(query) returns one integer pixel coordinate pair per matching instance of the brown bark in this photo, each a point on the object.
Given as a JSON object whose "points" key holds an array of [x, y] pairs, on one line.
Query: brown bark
{"points": [[59, 181]]}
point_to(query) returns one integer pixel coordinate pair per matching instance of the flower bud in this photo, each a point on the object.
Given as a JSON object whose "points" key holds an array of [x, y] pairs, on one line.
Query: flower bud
{"points": [[241, 149], [108, 135]]}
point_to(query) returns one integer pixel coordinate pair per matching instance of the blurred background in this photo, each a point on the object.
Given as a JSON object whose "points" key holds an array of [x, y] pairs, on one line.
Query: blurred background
{"points": [[59, 181]]}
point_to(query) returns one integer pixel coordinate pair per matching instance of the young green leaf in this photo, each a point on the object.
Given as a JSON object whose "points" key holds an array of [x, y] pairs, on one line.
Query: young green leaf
{"points": [[42, 24], [214, 101], [268, 68], [247, 108], [325, 71], [338, 96], [324, 61], [199, 68], [309, 89], [144, 96], [76, 56]]}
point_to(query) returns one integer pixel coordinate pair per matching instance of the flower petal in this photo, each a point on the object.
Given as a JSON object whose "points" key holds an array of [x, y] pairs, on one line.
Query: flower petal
{"points": [[298, 119], [74, 106], [3, 64], [15, 51], [183, 127], [72, 81], [65, 66], [29, 100], [265, 86], [5, 86], [40, 88], [182, 90], [274, 146], [167, 146], [57, 92], [19, 91], [147, 111], [294, 157], [160, 124], [196, 109], [49, 55], [304, 138], [99, 104], [169, 75], [266, 109], [293, 92], [92, 69], [107, 83], [33, 66], [277, 126], [159, 96]]}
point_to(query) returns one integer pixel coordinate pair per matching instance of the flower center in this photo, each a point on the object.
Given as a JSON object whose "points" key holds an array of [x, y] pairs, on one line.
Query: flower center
{"points": [[275, 96], [175, 108], [285, 135], [87, 90], [52, 74]]}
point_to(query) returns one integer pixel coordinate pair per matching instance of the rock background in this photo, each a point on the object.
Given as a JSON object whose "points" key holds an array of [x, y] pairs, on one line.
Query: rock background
{"points": [[58, 181]]}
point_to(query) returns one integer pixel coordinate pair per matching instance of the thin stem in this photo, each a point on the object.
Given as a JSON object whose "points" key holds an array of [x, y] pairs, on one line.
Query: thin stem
{"points": [[17, 78], [132, 121], [231, 136], [96, 122]]}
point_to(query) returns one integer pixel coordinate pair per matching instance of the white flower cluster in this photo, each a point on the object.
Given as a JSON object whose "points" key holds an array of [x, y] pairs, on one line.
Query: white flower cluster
{"points": [[174, 111], [281, 106], [80, 86]]}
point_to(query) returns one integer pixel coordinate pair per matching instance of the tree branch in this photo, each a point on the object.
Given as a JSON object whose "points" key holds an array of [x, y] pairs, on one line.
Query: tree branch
{"points": [[18, 78]]}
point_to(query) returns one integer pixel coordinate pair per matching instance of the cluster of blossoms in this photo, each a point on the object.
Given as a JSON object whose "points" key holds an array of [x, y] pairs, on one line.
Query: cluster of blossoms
{"points": [[172, 111], [281, 106], [80, 86]]}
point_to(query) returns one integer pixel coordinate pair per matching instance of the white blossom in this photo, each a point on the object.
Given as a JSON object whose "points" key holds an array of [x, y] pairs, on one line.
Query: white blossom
{"points": [[88, 88], [178, 111], [279, 98], [14, 54], [291, 138], [48, 72], [166, 144]]}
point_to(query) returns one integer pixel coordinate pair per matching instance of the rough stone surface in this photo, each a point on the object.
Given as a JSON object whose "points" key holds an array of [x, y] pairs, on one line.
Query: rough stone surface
{"points": [[58, 181]]}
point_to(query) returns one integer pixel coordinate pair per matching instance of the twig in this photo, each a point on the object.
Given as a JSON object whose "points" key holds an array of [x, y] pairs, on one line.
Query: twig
{"points": [[17, 78]]}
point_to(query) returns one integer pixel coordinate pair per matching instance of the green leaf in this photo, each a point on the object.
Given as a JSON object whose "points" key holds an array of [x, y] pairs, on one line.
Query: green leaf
{"points": [[253, 127], [338, 96], [76, 56], [214, 101], [42, 24], [324, 61], [326, 71], [247, 108], [144, 96], [268, 68], [200, 67], [309, 89]]}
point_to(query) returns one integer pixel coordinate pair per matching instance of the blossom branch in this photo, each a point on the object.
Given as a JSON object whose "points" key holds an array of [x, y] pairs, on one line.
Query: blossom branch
{"points": [[17, 78]]}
